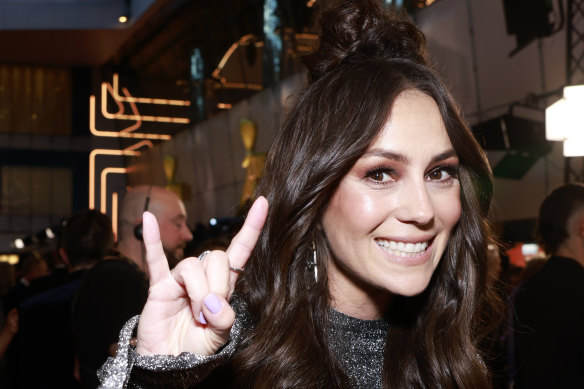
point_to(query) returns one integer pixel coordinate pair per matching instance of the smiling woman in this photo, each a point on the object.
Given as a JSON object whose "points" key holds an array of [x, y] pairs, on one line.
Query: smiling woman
{"points": [[390, 219], [369, 270]]}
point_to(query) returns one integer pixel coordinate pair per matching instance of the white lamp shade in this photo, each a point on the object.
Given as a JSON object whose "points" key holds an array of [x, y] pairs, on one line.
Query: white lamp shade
{"points": [[574, 92], [556, 120], [574, 147], [565, 118]]}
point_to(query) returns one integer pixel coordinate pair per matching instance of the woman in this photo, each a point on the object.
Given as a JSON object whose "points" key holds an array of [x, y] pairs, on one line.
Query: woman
{"points": [[370, 270]]}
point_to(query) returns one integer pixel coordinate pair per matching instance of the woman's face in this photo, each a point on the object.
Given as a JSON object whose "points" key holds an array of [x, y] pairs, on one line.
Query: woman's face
{"points": [[390, 219]]}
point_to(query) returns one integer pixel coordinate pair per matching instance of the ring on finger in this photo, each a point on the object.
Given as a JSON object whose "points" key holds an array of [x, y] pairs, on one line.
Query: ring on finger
{"points": [[202, 255], [236, 269]]}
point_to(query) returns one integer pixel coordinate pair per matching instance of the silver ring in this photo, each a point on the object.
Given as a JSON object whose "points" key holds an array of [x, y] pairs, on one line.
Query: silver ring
{"points": [[202, 255], [235, 269]]}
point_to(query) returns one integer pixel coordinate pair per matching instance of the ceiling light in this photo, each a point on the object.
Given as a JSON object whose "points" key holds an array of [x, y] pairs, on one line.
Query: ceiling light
{"points": [[49, 233], [19, 243]]}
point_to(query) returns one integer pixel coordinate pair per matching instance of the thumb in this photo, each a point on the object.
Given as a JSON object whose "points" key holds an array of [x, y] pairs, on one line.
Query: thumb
{"points": [[219, 317]]}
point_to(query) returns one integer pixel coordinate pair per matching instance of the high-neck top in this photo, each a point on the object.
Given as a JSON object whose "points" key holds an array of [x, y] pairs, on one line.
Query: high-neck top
{"points": [[360, 346]]}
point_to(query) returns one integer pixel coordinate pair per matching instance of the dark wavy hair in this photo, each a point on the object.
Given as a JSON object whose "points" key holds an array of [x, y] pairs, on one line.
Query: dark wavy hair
{"points": [[87, 236], [366, 58], [554, 213]]}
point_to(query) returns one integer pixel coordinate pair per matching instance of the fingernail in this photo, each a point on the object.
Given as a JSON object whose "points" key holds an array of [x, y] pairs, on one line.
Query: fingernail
{"points": [[202, 318], [213, 303]]}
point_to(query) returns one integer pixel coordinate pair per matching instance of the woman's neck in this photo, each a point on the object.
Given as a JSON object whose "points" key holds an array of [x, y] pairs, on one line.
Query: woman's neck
{"points": [[362, 304]]}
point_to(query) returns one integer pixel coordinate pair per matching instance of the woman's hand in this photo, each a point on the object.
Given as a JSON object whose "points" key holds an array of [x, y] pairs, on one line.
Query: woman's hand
{"points": [[187, 308]]}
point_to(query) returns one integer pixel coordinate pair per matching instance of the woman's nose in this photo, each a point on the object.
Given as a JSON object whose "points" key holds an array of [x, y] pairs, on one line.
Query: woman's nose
{"points": [[415, 205]]}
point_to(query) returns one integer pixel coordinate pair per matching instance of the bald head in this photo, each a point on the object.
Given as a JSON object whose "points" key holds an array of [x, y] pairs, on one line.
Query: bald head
{"points": [[169, 211]]}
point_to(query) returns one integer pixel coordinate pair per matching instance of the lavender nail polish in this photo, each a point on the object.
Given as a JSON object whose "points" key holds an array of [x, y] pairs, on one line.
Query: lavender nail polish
{"points": [[213, 303], [202, 318]]}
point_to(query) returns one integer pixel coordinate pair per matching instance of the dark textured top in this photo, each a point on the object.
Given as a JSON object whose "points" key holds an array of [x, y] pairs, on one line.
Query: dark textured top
{"points": [[549, 327], [112, 292], [359, 345]]}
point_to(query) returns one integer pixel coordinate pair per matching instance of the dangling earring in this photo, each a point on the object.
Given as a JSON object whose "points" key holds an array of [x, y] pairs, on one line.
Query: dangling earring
{"points": [[312, 264]]}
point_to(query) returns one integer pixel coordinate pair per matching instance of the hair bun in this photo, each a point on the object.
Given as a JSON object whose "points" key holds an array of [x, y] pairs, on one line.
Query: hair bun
{"points": [[359, 29]]}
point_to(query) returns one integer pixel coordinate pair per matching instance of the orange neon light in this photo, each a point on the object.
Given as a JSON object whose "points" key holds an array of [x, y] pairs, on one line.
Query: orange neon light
{"points": [[138, 123], [116, 134], [121, 116], [115, 215], [128, 132], [244, 39], [121, 110], [136, 146], [94, 153], [104, 174], [145, 100]]}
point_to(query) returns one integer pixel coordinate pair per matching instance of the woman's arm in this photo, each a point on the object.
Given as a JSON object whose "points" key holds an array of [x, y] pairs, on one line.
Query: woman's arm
{"points": [[129, 369], [187, 316]]}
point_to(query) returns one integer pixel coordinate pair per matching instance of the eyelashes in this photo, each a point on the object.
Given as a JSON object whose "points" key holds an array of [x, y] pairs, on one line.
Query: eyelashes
{"points": [[380, 175], [451, 171], [442, 175]]}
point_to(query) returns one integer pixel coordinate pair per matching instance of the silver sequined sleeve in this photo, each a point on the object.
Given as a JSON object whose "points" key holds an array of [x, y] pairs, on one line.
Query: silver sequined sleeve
{"points": [[130, 370]]}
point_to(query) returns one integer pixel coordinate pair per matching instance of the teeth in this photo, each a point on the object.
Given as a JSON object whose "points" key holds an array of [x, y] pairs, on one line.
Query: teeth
{"points": [[403, 249]]}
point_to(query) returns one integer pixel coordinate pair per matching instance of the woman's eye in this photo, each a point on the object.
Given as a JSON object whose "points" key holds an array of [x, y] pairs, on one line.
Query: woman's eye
{"points": [[437, 175], [441, 174], [380, 175]]}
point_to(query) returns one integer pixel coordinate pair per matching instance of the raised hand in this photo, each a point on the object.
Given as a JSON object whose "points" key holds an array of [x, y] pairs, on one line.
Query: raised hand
{"points": [[187, 308]]}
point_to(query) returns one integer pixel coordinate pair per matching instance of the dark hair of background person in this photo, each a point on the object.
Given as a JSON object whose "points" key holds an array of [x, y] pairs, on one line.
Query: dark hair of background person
{"points": [[554, 213], [7, 277], [86, 237], [364, 62], [29, 264]]}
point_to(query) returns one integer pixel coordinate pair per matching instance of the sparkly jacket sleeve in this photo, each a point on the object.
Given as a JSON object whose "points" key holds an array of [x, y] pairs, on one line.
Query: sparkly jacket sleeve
{"points": [[130, 370]]}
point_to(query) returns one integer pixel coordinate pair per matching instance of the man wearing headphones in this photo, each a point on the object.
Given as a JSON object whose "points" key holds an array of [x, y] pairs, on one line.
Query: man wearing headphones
{"points": [[116, 289], [171, 215]]}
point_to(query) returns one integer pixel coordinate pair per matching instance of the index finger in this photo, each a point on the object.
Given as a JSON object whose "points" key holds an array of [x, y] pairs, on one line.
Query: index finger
{"points": [[243, 243], [155, 257]]}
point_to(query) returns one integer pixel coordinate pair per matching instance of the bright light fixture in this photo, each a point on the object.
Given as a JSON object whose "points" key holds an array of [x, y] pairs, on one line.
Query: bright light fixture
{"points": [[574, 147], [19, 243], [49, 233], [564, 121]]}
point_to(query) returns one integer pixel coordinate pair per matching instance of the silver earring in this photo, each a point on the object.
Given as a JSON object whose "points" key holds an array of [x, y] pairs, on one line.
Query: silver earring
{"points": [[312, 264]]}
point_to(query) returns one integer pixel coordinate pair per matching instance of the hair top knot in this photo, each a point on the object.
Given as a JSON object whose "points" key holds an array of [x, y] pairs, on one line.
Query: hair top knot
{"points": [[357, 30]]}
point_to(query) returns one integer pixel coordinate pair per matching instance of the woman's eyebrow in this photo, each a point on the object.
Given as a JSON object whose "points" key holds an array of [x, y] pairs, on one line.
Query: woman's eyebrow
{"points": [[444, 155], [388, 155], [405, 160]]}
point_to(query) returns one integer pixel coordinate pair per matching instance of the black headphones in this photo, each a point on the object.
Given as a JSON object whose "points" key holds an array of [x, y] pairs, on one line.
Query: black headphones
{"points": [[138, 229]]}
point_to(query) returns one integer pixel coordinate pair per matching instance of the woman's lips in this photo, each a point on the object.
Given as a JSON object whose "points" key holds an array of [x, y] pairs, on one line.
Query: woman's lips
{"points": [[405, 252]]}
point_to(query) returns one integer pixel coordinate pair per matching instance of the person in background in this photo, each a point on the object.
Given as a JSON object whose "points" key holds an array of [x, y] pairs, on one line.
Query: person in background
{"points": [[363, 260], [549, 305], [30, 267], [116, 289], [7, 280], [45, 319]]}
